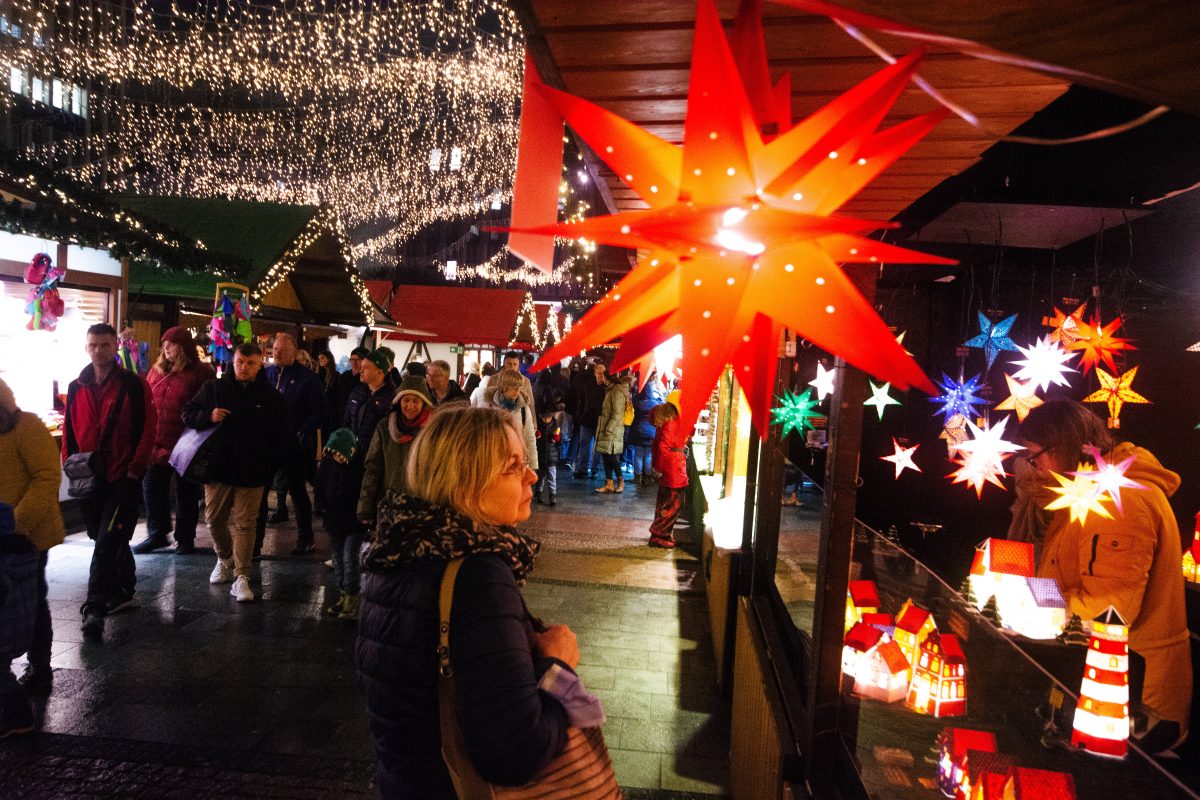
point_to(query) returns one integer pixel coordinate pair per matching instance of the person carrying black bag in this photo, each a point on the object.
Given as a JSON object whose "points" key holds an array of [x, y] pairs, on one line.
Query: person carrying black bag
{"points": [[108, 435]]}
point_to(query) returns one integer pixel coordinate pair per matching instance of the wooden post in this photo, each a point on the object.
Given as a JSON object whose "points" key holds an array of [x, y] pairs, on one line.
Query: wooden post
{"points": [[820, 735], [123, 296]]}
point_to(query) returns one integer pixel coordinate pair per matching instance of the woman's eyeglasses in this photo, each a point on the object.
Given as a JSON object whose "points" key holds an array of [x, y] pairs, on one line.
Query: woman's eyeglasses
{"points": [[516, 468], [1032, 459]]}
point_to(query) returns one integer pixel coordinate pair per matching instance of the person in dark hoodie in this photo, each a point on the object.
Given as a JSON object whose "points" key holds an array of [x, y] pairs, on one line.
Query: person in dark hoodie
{"points": [[370, 401], [339, 479], [251, 440]]}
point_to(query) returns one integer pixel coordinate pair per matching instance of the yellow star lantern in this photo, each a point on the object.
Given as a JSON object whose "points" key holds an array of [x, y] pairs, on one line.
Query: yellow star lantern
{"points": [[1022, 398], [740, 240], [1116, 392], [1080, 495]]}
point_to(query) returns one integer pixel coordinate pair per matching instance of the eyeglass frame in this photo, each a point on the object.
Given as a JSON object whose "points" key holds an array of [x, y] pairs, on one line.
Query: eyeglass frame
{"points": [[516, 470], [1033, 458]]}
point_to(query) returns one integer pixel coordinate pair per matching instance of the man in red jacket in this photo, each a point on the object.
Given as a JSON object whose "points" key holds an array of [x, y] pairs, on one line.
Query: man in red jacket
{"points": [[107, 399]]}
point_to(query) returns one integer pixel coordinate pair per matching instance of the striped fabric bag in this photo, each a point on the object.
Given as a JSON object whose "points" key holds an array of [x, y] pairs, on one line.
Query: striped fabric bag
{"points": [[582, 771]]}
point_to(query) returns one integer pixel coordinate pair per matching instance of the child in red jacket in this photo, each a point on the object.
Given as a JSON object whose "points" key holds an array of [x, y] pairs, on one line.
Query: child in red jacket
{"points": [[670, 459]]}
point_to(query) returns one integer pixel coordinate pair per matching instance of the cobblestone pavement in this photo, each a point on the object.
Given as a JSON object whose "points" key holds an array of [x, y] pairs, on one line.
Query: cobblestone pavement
{"points": [[193, 695]]}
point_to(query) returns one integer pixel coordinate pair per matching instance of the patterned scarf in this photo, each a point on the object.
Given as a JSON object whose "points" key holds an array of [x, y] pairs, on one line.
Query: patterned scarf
{"points": [[411, 529], [404, 430]]}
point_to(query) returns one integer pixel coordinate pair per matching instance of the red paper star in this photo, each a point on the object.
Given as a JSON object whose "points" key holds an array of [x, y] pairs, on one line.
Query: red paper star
{"points": [[739, 236], [1098, 344]]}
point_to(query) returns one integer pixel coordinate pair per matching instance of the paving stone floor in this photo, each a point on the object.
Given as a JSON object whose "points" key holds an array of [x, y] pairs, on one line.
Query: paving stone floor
{"points": [[193, 695]]}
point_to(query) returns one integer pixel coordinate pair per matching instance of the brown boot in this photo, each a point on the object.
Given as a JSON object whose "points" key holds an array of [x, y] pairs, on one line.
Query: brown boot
{"points": [[620, 486], [607, 488]]}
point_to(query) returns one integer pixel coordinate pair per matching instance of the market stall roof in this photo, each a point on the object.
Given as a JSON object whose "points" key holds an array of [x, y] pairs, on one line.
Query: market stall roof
{"points": [[452, 313], [296, 260]]}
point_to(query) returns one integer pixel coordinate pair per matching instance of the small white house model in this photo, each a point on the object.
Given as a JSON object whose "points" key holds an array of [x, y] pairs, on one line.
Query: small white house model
{"points": [[1032, 607], [883, 673], [1038, 612]]}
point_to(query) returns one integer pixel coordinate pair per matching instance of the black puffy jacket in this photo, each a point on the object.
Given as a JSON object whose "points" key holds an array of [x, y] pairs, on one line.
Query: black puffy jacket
{"points": [[254, 435], [511, 728]]}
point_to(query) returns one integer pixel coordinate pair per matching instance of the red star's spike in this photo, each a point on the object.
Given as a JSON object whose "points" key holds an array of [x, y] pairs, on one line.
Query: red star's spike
{"points": [[750, 53], [782, 98], [640, 342], [535, 186], [857, 250], [755, 368]]}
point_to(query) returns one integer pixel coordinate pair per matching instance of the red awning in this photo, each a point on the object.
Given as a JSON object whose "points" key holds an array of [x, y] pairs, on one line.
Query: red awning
{"points": [[454, 314]]}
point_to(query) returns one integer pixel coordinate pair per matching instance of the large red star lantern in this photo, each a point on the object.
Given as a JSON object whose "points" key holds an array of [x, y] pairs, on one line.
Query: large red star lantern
{"points": [[739, 240], [1098, 344]]}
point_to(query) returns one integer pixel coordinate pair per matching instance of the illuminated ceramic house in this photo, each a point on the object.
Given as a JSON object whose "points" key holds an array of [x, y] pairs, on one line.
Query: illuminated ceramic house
{"points": [[913, 624], [1102, 714], [939, 681], [862, 597], [1033, 607], [1191, 556], [858, 641], [1024, 783], [1000, 569], [957, 748], [986, 775], [883, 674]]}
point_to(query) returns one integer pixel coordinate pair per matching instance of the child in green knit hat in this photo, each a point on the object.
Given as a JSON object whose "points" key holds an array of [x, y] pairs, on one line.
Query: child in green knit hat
{"points": [[339, 484]]}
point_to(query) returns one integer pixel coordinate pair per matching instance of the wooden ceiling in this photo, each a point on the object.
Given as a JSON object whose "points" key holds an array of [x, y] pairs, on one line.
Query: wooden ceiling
{"points": [[632, 57]]}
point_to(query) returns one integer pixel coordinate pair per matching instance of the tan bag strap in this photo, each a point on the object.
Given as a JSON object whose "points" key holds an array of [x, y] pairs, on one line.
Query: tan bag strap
{"points": [[467, 783]]}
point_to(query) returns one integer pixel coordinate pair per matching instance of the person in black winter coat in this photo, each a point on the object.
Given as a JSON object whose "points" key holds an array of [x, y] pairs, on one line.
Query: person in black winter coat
{"points": [[370, 401], [474, 488], [590, 398], [548, 437], [249, 445]]}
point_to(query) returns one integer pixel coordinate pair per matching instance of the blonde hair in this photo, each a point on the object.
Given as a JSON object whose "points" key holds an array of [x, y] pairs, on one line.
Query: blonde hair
{"points": [[506, 379], [457, 454]]}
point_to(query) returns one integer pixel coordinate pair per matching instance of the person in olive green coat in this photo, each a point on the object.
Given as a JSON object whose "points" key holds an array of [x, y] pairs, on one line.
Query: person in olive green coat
{"points": [[610, 433], [384, 467]]}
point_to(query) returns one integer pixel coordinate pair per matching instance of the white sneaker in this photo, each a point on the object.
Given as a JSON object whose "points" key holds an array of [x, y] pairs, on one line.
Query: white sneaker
{"points": [[222, 572], [241, 590]]}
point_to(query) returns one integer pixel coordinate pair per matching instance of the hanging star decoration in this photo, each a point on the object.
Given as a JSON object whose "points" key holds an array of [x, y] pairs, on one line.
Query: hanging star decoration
{"points": [[823, 383], [954, 432], [980, 459], [993, 337], [1116, 391], [1045, 363], [902, 457], [1109, 478], [1098, 344], [880, 398], [900, 341], [959, 397], [795, 412], [739, 238], [1021, 398], [1065, 326], [1080, 495]]}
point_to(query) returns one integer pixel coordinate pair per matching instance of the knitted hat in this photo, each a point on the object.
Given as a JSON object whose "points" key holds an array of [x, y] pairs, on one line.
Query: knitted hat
{"points": [[8, 401], [414, 385], [179, 336], [343, 443], [379, 359], [361, 352]]}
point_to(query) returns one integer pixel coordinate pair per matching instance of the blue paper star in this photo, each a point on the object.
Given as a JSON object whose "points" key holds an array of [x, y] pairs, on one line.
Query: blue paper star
{"points": [[795, 412], [959, 398], [993, 338]]}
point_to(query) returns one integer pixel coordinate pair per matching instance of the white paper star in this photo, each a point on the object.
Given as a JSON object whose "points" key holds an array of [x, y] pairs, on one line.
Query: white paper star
{"points": [[880, 398], [823, 383], [981, 458], [1045, 363], [902, 458]]}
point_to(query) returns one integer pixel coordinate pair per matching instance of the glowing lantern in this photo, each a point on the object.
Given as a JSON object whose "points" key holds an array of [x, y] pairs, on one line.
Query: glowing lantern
{"points": [[960, 397], [1066, 326], [1102, 714], [1110, 478], [1045, 363], [823, 383], [880, 398], [795, 412], [1192, 555], [1080, 495], [1021, 398], [993, 337], [913, 624], [981, 458], [1116, 391], [939, 682], [902, 458], [862, 597], [957, 748], [1098, 344]]}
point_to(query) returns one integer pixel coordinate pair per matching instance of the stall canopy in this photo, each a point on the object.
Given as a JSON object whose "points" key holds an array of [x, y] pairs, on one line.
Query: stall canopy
{"points": [[484, 317], [298, 265]]}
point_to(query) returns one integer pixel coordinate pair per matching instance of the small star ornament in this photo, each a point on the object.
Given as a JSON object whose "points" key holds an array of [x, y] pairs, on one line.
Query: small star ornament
{"points": [[993, 337], [880, 398], [1079, 495], [1045, 363], [959, 397], [1021, 398], [902, 457], [795, 412], [1116, 391], [823, 383]]}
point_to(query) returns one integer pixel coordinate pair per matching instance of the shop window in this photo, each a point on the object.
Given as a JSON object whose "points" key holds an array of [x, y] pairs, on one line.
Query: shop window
{"points": [[38, 89], [79, 101], [56, 94], [16, 80]]}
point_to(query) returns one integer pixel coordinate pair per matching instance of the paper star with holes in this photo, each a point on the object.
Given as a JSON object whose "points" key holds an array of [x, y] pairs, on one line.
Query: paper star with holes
{"points": [[795, 412], [954, 432], [1116, 392], [740, 237], [959, 397], [880, 398], [1097, 344], [1065, 326], [1021, 398], [1080, 495], [823, 383], [993, 337], [902, 457], [1109, 478], [1045, 363], [981, 458]]}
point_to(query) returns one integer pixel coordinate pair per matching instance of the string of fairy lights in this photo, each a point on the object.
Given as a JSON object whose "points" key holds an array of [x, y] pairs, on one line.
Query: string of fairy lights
{"points": [[392, 114]]}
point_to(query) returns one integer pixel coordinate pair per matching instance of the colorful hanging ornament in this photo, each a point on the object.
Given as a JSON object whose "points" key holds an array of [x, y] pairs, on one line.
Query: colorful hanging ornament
{"points": [[993, 337], [1097, 344], [795, 412], [981, 458], [1065, 326], [1110, 478], [741, 229], [823, 383], [44, 305], [1116, 391], [127, 349], [880, 398], [959, 397], [954, 432], [902, 457], [1021, 398], [1079, 495], [1045, 363]]}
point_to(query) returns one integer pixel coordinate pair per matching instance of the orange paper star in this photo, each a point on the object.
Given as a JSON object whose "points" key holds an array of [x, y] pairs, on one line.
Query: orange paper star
{"points": [[1116, 391], [740, 240], [1098, 344], [1066, 326]]}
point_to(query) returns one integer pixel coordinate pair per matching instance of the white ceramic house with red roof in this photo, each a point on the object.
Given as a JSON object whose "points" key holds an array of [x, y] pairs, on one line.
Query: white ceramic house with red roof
{"points": [[1000, 569], [883, 673], [860, 639]]}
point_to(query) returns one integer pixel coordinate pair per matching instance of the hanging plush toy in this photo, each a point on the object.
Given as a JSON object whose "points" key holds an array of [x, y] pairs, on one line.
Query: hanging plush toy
{"points": [[44, 305], [127, 351], [220, 330]]}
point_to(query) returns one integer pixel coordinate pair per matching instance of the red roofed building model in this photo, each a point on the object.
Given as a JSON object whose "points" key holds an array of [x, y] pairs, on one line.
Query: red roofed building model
{"points": [[956, 748], [883, 673], [999, 567], [1191, 556], [939, 683], [862, 597], [986, 775], [913, 624], [1038, 784], [858, 641]]}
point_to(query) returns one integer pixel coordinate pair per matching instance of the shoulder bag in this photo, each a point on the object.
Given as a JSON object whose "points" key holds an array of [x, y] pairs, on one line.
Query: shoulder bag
{"points": [[582, 771], [87, 473]]}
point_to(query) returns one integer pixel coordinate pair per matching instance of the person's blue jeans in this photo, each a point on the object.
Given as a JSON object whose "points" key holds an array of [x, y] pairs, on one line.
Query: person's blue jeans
{"points": [[156, 488], [583, 453], [643, 461], [346, 568]]}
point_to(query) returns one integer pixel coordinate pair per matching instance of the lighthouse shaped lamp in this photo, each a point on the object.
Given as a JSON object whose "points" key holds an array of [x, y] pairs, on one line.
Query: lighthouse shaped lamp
{"points": [[1102, 715], [1191, 556]]}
